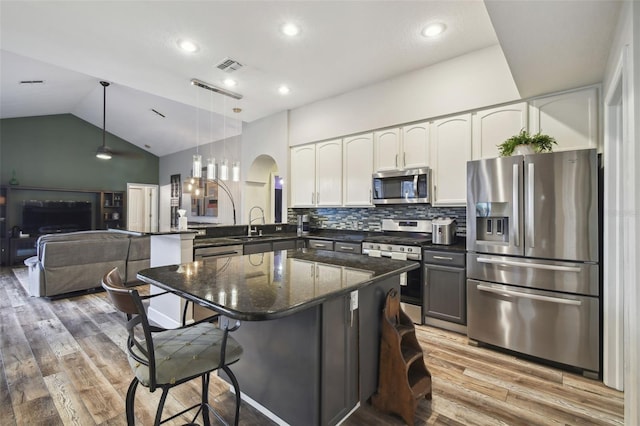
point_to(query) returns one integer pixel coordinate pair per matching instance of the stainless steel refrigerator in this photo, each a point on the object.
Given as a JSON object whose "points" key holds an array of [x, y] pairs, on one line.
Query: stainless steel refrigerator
{"points": [[533, 256]]}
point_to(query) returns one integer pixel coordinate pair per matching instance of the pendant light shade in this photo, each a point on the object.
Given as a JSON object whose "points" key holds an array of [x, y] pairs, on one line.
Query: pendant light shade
{"points": [[103, 152], [197, 166], [235, 172], [211, 169], [224, 170]]}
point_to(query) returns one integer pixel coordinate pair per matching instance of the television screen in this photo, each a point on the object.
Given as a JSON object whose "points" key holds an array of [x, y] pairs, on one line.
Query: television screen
{"points": [[49, 217]]}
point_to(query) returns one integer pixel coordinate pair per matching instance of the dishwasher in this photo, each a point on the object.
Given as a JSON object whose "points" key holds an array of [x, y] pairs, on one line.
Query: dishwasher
{"points": [[201, 253]]}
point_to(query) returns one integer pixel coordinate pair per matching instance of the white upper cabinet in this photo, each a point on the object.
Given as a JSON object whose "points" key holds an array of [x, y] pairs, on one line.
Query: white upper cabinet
{"points": [[303, 176], [415, 146], [357, 170], [493, 126], [329, 173], [401, 148], [571, 118], [386, 149], [451, 149]]}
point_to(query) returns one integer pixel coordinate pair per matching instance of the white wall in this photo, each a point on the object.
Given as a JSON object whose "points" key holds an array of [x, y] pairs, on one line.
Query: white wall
{"points": [[180, 163], [627, 40], [267, 136], [471, 81]]}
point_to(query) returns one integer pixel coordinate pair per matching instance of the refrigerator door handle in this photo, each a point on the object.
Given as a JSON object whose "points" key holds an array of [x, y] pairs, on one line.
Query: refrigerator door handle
{"points": [[558, 300], [530, 237], [529, 265], [516, 206]]}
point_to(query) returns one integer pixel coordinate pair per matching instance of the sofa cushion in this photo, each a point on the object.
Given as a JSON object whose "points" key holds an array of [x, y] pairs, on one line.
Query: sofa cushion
{"points": [[77, 236]]}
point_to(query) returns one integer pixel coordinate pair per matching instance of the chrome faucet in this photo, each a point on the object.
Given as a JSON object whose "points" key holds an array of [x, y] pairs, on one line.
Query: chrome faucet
{"points": [[253, 230]]}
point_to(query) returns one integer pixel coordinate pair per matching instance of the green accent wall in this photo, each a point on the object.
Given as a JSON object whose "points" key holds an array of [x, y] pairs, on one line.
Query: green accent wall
{"points": [[58, 151]]}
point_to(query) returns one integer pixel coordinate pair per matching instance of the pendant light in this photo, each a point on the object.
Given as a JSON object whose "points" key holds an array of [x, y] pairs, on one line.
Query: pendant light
{"points": [[103, 152]]}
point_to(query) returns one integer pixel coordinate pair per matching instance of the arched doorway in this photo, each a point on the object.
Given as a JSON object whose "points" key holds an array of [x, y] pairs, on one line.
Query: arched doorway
{"points": [[263, 192]]}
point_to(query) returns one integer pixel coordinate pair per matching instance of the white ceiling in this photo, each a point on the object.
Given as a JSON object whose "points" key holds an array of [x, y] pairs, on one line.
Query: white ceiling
{"points": [[344, 45]]}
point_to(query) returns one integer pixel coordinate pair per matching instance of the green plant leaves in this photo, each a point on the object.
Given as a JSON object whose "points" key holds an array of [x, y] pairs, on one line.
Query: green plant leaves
{"points": [[540, 142]]}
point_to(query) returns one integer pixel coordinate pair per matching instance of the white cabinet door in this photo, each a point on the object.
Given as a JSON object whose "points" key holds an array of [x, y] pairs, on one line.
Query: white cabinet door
{"points": [[493, 126], [415, 146], [358, 170], [329, 173], [386, 150], [571, 118], [328, 278], [303, 176], [451, 142]]}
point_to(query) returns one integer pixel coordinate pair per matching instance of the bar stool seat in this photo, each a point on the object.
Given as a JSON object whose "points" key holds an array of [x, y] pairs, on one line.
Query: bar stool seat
{"points": [[164, 358]]}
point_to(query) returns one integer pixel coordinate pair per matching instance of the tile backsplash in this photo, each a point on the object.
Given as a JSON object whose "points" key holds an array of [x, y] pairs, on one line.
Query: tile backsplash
{"points": [[370, 219]]}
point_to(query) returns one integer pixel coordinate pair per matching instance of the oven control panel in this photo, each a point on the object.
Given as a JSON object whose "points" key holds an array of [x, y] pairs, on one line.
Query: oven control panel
{"points": [[392, 250]]}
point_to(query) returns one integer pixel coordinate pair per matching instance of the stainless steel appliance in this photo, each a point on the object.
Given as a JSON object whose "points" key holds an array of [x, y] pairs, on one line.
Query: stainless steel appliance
{"points": [[403, 239], [411, 186], [532, 262], [443, 231], [202, 251]]}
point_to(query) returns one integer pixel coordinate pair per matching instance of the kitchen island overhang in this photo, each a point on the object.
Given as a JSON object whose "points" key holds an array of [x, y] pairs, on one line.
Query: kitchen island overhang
{"points": [[271, 285], [311, 325]]}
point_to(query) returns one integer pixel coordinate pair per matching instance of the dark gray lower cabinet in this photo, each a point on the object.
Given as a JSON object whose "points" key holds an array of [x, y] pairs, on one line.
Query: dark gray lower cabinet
{"points": [[445, 295], [257, 248], [312, 367], [284, 245], [271, 246], [339, 390]]}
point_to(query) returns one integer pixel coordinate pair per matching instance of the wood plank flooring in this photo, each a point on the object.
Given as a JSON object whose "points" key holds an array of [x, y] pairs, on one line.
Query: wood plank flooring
{"points": [[62, 363]]}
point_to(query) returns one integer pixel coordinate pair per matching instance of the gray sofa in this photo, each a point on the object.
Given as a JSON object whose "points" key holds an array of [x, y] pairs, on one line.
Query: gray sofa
{"points": [[66, 263]]}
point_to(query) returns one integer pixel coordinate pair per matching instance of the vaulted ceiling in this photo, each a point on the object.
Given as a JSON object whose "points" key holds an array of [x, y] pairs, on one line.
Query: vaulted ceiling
{"points": [[342, 46]]}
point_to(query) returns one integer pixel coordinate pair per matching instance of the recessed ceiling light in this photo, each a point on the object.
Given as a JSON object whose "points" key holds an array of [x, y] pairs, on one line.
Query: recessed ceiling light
{"points": [[434, 30], [187, 46], [284, 90], [290, 29], [229, 82]]}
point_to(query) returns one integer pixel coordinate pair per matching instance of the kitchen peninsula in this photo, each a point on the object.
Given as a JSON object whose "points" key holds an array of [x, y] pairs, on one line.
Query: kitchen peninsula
{"points": [[310, 324]]}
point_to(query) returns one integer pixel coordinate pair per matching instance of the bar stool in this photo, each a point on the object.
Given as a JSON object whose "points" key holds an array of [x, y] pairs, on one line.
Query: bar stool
{"points": [[164, 358]]}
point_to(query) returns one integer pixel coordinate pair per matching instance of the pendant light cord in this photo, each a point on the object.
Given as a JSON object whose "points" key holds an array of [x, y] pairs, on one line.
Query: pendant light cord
{"points": [[104, 112]]}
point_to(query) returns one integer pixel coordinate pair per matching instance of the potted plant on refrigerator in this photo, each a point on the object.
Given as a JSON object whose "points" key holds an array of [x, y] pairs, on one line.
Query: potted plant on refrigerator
{"points": [[524, 143]]}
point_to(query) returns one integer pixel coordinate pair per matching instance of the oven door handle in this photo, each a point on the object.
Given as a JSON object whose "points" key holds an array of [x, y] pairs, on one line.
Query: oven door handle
{"points": [[540, 297]]}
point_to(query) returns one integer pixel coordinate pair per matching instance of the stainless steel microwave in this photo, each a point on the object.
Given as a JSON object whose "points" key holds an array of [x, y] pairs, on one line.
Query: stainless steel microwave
{"points": [[411, 186]]}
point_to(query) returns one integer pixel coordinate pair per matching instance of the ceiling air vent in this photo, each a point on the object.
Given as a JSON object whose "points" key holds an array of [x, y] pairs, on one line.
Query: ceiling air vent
{"points": [[229, 65], [31, 81]]}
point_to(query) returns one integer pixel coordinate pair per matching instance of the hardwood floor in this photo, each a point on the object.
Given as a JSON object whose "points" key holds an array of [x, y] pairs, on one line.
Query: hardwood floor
{"points": [[62, 363]]}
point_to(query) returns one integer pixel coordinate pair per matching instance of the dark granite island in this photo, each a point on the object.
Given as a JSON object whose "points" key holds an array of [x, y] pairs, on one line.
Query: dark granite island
{"points": [[311, 324]]}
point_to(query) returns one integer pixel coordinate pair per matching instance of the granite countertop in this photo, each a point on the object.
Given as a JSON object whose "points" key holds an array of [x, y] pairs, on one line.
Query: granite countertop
{"points": [[352, 237], [272, 285]]}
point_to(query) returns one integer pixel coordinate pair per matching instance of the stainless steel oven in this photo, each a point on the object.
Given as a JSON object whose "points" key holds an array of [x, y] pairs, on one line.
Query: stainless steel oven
{"points": [[403, 239]]}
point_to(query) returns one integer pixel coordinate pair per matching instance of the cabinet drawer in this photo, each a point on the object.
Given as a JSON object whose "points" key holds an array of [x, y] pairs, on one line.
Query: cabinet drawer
{"points": [[347, 247], [443, 258], [320, 244]]}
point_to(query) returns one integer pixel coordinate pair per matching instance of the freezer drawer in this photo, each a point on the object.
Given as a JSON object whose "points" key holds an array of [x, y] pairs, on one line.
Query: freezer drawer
{"points": [[553, 326], [553, 275]]}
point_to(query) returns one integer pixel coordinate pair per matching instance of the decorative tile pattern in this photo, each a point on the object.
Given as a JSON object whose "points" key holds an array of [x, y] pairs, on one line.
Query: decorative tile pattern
{"points": [[370, 219]]}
